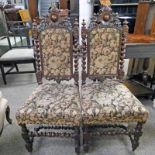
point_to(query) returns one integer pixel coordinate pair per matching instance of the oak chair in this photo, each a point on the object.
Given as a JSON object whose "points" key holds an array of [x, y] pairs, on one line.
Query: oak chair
{"points": [[107, 105], [54, 106]]}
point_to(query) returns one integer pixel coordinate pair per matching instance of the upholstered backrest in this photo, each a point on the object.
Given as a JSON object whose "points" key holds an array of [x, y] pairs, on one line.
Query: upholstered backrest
{"points": [[54, 48], [103, 46], [103, 50]]}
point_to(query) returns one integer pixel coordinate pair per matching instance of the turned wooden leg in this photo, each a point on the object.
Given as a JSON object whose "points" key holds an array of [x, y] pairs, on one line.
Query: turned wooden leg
{"points": [[26, 137], [86, 138], [77, 140], [8, 115], [136, 135]]}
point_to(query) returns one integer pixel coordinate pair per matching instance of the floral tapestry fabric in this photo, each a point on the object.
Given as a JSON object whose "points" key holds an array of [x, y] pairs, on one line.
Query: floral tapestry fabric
{"points": [[104, 51], [52, 104], [110, 102], [55, 46]]}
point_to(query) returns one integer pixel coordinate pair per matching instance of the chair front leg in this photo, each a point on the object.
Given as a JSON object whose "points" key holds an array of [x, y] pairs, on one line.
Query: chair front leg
{"points": [[136, 135], [3, 74], [77, 140], [86, 138], [26, 137]]}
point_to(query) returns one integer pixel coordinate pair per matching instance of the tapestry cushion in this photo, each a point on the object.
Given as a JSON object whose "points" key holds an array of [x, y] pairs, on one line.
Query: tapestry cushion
{"points": [[104, 44], [53, 104], [110, 102], [56, 47]]}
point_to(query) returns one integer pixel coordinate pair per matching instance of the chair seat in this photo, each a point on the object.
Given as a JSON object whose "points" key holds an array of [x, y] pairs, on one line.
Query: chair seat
{"points": [[52, 104], [110, 102], [18, 54]]}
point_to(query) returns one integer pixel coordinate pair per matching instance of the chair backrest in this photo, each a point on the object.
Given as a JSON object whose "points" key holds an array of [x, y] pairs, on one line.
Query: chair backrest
{"points": [[55, 41], [103, 46], [19, 34]]}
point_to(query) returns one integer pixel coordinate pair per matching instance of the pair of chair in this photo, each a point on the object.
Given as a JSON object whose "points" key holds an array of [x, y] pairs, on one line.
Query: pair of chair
{"points": [[63, 109]]}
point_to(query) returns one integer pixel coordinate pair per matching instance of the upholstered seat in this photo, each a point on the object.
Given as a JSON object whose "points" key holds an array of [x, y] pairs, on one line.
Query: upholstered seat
{"points": [[112, 102], [52, 104], [18, 54]]}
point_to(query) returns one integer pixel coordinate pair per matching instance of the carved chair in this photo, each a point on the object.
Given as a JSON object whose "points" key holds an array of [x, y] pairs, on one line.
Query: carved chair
{"points": [[108, 107], [54, 106]]}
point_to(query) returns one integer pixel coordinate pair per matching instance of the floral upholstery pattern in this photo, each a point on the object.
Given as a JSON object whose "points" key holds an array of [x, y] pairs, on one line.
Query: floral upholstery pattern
{"points": [[110, 102], [104, 51], [55, 46], [50, 103]]}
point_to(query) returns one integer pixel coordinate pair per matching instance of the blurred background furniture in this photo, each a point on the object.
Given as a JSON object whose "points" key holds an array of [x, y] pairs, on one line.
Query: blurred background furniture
{"points": [[15, 45], [4, 111], [142, 69]]}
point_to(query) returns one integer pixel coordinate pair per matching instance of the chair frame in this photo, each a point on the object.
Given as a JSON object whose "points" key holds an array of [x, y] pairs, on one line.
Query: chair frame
{"points": [[113, 129], [28, 135], [14, 63]]}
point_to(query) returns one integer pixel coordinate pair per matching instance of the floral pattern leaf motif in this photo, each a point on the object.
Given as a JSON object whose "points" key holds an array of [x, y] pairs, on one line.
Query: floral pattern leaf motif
{"points": [[52, 104], [104, 51], [112, 102], [55, 45]]}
